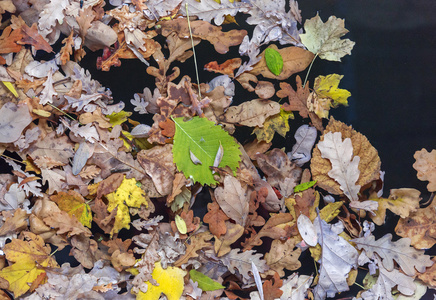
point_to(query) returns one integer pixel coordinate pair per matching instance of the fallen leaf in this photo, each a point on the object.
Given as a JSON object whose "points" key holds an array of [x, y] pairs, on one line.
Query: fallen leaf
{"points": [[205, 283], [197, 242], [324, 39], [426, 166], [66, 224], [233, 200], [295, 59], [401, 202], [419, 226], [216, 218], [278, 123], [227, 67], [251, 113], [283, 255], [408, 258], [223, 244], [75, 205], [170, 282], [13, 120]]}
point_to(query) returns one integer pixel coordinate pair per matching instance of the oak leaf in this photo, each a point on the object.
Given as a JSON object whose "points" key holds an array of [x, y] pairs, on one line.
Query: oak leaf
{"points": [[369, 164], [240, 263], [66, 224], [429, 276], [295, 287], [426, 166], [223, 244], [197, 242], [9, 40], [227, 67], [216, 218], [324, 39], [401, 202], [420, 227], [407, 257]]}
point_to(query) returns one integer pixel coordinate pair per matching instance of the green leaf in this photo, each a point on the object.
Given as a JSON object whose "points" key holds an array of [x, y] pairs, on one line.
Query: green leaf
{"points": [[274, 61], [304, 186], [204, 282], [202, 138]]}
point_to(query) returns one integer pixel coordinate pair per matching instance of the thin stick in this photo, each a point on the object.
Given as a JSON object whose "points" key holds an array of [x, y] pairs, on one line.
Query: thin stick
{"points": [[64, 113], [193, 50]]}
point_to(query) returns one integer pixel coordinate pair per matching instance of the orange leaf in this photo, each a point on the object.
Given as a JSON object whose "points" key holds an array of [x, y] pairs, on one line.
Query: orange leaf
{"points": [[216, 219], [271, 288], [226, 67], [9, 39]]}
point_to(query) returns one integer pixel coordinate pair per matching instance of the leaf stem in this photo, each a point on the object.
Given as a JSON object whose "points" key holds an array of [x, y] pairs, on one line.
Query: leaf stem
{"points": [[8, 157], [193, 50], [308, 71]]}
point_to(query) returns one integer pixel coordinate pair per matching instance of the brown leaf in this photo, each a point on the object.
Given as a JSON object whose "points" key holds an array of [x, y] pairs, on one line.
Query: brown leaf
{"points": [[369, 165], [426, 166], [271, 288], [227, 67], [298, 101], [85, 250], [15, 223], [251, 113], [121, 257], [67, 49], [31, 35], [295, 59], [158, 164], [274, 228], [429, 276], [197, 242], [216, 218], [84, 19], [109, 185], [204, 30], [223, 244], [103, 219], [179, 183], [283, 255], [9, 40], [67, 224], [420, 227], [265, 89], [233, 199]]}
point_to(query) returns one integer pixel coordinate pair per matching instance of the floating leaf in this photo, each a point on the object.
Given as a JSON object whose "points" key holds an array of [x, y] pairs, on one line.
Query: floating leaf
{"points": [[274, 61], [205, 283], [203, 137]]}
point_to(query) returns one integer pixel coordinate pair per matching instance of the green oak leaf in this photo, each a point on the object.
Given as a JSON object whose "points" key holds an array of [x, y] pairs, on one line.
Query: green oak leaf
{"points": [[274, 61], [196, 145], [205, 283]]}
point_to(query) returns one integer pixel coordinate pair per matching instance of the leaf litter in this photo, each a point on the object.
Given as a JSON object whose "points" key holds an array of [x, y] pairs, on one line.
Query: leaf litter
{"points": [[89, 171]]}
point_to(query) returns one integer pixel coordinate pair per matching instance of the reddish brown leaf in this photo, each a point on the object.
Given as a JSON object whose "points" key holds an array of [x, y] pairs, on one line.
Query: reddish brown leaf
{"points": [[227, 67], [271, 288], [216, 218], [9, 40]]}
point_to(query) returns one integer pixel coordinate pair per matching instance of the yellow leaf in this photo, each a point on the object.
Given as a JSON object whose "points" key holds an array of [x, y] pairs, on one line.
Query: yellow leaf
{"points": [[181, 224], [119, 117], [327, 94], [127, 195], [331, 211], [277, 123], [401, 202], [10, 87], [75, 205], [28, 256], [41, 112], [170, 282]]}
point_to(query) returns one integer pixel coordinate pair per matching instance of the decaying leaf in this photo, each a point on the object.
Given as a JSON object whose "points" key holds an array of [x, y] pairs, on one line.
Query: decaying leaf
{"points": [[324, 39]]}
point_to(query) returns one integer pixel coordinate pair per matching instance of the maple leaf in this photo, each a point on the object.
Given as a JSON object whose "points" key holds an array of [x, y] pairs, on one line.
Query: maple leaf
{"points": [[170, 282], [407, 257], [203, 139], [324, 39], [338, 257], [28, 255], [278, 123], [128, 194], [426, 166], [326, 94], [401, 202]]}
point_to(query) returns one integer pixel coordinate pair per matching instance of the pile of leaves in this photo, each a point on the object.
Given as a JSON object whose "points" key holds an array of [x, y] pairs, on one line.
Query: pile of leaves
{"points": [[119, 194]]}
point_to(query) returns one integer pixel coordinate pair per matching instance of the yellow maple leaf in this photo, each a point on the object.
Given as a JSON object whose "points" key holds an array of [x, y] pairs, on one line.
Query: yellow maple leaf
{"points": [[170, 282], [277, 123], [29, 258], [327, 94], [75, 205], [127, 195]]}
